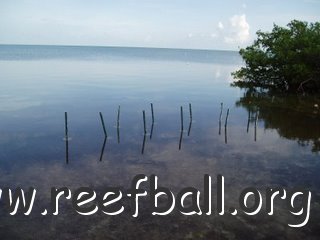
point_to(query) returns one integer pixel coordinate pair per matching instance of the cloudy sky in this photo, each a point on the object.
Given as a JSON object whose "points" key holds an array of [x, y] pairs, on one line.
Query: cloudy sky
{"points": [[204, 24]]}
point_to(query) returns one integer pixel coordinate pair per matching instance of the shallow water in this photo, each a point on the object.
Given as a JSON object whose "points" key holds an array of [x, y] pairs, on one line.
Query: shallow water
{"points": [[276, 145]]}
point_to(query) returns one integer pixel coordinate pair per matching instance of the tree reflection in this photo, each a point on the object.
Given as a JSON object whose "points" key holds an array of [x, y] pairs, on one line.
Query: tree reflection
{"points": [[294, 117]]}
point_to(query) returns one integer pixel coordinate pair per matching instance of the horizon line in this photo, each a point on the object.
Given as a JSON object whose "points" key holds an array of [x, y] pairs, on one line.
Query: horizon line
{"points": [[116, 46]]}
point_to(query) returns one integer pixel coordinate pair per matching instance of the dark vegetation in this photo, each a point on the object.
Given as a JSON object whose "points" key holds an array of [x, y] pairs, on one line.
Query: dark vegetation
{"points": [[285, 60], [293, 117]]}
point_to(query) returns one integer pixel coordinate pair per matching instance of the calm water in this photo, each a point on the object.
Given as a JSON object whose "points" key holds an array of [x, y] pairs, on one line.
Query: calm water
{"points": [[269, 140]]}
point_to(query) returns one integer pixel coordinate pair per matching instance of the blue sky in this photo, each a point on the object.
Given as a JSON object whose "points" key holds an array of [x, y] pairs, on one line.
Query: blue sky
{"points": [[202, 24]]}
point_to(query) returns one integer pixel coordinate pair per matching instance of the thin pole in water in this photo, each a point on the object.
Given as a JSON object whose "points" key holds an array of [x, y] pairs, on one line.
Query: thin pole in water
{"points": [[144, 122], [190, 111], [220, 118], [152, 113], [67, 151], [118, 118], [66, 124], [103, 125], [66, 136], [118, 125], [221, 108], [181, 116], [190, 124], [226, 122]]}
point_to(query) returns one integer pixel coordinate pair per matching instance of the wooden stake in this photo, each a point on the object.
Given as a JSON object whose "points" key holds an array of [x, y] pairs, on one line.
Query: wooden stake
{"points": [[66, 136], [118, 118], [190, 111], [152, 113], [66, 124], [144, 122], [103, 125], [226, 122], [181, 116]]}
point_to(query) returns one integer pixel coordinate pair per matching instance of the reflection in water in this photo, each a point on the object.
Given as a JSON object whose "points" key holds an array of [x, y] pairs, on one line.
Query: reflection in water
{"points": [[118, 134], [294, 117], [152, 115], [103, 147], [181, 130], [118, 117], [190, 124], [255, 125], [66, 136], [151, 130], [144, 130], [180, 140], [67, 151], [226, 121], [248, 123], [144, 122], [27, 149], [181, 117], [220, 118], [225, 135], [118, 125], [225, 128], [143, 143], [255, 120]]}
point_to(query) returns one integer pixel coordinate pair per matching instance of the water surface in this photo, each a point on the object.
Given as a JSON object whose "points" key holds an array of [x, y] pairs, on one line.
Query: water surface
{"points": [[269, 140]]}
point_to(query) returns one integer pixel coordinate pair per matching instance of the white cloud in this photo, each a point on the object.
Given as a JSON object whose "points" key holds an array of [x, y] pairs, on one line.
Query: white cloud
{"points": [[239, 30], [220, 25]]}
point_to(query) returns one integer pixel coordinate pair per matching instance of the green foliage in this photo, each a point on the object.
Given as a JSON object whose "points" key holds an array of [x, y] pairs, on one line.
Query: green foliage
{"points": [[286, 59]]}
